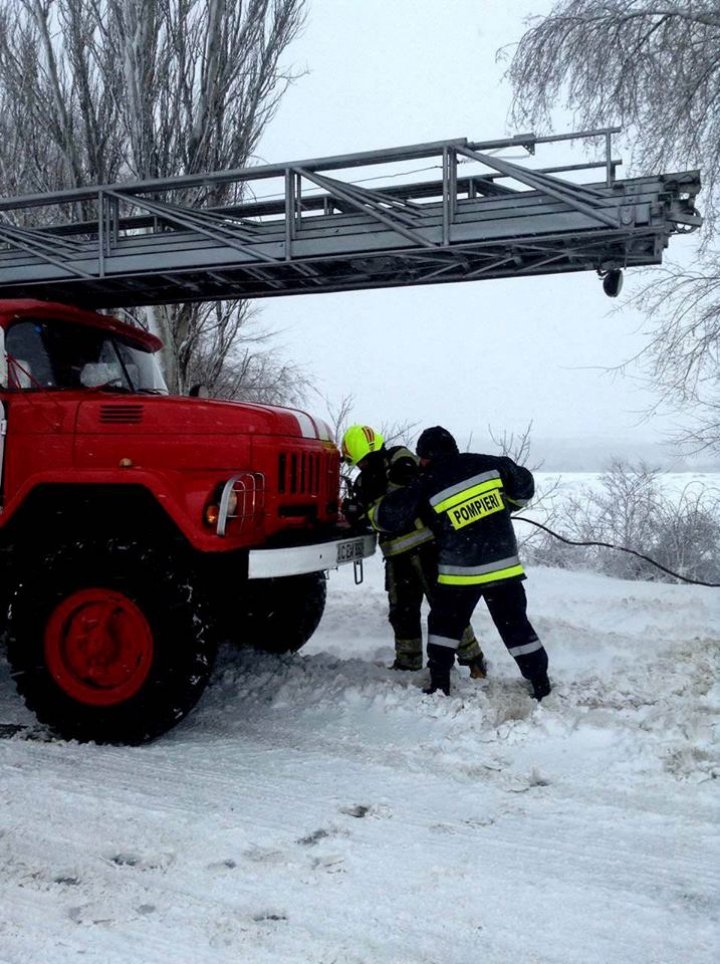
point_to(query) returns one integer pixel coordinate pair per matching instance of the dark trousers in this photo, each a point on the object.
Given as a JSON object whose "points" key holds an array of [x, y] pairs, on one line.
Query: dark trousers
{"points": [[450, 612], [405, 585], [409, 577]]}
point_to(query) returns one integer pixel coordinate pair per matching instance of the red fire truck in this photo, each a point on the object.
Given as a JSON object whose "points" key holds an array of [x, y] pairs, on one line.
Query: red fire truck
{"points": [[138, 529]]}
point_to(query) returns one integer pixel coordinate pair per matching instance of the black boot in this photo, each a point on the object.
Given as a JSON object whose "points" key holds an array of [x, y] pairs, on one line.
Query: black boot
{"points": [[439, 679], [478, 667], [441, 660], [540, 686]]}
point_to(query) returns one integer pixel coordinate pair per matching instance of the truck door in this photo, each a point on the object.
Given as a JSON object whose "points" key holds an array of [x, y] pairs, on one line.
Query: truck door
{"points": [[3, 431], [3, 421]]}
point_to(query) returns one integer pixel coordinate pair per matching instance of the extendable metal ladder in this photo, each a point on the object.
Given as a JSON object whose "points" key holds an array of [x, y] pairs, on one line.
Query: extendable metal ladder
{"points": [[340, 223]]}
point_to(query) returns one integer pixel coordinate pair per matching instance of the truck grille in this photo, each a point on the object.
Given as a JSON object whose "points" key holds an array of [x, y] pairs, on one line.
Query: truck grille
{"points": [[121, 414], [299, 473]]}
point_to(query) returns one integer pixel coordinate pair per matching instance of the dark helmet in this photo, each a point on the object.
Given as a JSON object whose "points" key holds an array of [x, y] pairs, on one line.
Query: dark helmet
{"points": [[434, 442]]}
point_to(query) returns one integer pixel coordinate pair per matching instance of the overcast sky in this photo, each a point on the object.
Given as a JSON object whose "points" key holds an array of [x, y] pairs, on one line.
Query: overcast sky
{"points": [[385, 73]]}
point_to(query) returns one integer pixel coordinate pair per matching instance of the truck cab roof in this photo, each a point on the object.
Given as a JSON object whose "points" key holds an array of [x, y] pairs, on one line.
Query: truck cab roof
{"points": [[19, 308]]}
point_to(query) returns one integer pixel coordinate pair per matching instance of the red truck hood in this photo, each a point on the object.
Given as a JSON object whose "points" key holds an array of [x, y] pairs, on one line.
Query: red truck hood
{"points": [[188, 434], [104, 413]]}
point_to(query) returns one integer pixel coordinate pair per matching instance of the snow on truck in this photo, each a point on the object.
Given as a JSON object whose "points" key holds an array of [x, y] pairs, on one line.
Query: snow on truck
{"points": [[139, 528], [136, 528]]}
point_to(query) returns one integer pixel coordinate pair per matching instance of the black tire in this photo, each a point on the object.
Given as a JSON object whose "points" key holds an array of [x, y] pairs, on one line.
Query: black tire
{"points": [[282, 614], [126, 675]]}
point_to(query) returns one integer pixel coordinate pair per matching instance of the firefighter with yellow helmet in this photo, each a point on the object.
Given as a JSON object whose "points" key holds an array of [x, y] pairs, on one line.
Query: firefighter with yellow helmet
{"points": [[410, 556]]}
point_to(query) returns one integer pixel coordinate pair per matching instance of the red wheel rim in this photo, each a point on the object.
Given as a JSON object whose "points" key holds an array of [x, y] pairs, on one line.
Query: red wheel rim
{"points": [[98, 647]]}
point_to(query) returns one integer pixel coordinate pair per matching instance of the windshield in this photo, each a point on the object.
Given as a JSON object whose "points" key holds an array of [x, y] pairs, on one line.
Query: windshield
{"points": [[57, 354]]}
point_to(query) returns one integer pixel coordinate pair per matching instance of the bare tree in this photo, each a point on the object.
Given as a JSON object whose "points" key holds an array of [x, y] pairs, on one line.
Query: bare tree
{"points": [[98, 91], [246, 370], [633, 507], [340, 418], [654, 67], [515, 445], [518, 447], [339, 413], [684, 347], [394, 433]]}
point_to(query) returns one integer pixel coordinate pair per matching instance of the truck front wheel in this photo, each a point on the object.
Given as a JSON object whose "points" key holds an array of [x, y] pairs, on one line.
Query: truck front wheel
{"points": [[109, 642], [282, 614]]}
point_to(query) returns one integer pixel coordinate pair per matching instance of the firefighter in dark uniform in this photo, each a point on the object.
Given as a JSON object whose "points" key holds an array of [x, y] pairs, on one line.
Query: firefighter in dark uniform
{"points": [[466, 500], [410, 554]]}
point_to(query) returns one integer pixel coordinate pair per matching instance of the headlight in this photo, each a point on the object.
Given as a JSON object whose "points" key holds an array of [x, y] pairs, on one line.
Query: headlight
{"points": [[241, 498], [225, 502]]}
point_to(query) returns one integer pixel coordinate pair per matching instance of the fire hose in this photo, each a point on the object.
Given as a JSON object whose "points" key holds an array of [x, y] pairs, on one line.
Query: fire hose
{"points": [[608, 545]]}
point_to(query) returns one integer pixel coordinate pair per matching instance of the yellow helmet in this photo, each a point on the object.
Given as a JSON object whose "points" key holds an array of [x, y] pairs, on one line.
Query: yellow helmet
{"points": [[359, 441]]}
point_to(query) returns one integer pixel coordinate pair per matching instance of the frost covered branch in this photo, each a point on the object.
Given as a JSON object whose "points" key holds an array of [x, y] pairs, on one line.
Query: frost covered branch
{"points": [[655, 69], [101, 91]]}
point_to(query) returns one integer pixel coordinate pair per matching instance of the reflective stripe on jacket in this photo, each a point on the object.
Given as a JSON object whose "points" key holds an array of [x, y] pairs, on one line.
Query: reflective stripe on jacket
{"points": [[501, 569], [396, 545]]}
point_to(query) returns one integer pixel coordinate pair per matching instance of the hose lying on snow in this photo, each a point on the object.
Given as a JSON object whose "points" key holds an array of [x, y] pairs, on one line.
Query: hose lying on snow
{"points": [[608, 545]]}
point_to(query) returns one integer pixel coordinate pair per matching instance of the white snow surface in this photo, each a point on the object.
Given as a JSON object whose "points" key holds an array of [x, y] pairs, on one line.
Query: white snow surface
{"points": [[319, 808]]}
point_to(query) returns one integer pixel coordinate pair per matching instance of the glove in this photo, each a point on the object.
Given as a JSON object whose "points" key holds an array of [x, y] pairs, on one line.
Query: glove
{"points": [[354, 513]]}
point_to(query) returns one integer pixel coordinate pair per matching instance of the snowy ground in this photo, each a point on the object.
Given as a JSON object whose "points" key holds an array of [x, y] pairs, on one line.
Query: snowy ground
{"points": [[320, 809]]}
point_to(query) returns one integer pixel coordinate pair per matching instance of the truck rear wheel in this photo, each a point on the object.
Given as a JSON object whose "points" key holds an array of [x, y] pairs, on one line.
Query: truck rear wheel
{"points": [[109, 642], [282, 614]]}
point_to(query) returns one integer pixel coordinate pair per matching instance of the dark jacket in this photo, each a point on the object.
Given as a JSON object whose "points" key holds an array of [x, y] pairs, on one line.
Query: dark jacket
{"points": [[388, 470], [466, 501]]}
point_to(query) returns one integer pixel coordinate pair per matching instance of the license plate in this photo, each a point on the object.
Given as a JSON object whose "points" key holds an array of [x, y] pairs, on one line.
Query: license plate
{"points": [[350, 550]]}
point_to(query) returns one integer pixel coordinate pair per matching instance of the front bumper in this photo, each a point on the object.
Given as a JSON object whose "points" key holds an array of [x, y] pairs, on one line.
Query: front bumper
{"points": [[294, 561]]}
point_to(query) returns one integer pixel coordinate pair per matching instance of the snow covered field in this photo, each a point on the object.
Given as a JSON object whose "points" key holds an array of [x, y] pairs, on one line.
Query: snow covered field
{"points": [[320, 809], [560, 485]]}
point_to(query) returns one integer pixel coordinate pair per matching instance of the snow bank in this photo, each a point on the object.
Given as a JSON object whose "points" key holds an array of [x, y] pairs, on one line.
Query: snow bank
{"points": [[319, 808]]}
